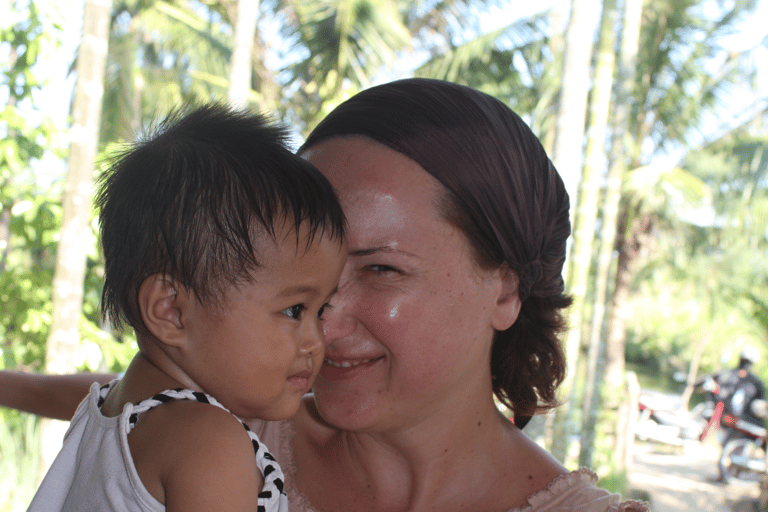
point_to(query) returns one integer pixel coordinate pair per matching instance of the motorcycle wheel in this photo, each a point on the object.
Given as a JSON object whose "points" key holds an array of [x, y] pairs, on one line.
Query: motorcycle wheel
{"points": [[742, 462]]}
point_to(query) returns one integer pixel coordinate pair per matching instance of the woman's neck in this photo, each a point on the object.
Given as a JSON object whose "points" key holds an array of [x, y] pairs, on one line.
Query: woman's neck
{"points": [[442, 462]]}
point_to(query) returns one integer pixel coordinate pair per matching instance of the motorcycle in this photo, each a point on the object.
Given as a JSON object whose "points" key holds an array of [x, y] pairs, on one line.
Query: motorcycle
{"points": [[743, 459], [661, 419]]}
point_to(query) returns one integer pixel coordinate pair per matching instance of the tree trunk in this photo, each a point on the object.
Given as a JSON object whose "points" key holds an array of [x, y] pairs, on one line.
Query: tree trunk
{"points": [[241, 66], [627, 417], [586, 215], [629, 244], [5, 208], [693, 370], [618, 162], [566, 155], [615, 357], [75, 242], [5, 233], [621, 154], [557, 15], [606, 270]]}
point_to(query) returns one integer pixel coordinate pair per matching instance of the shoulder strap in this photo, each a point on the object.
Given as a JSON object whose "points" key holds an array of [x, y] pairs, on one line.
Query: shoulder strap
{"points": [[272, 496]]}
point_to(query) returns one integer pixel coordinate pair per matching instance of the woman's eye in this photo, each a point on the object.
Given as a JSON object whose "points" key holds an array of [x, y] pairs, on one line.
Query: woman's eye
{"points": [[381, 269], [294, 312], [323, 309]]}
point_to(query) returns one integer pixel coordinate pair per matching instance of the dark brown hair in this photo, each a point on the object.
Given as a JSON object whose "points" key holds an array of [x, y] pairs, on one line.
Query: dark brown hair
{"points": [[502, 191], [194, 198]]}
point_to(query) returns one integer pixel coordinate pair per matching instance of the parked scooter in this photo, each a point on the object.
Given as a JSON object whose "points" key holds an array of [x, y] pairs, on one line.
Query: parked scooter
{"points": [[743, 458], [662, 420]]}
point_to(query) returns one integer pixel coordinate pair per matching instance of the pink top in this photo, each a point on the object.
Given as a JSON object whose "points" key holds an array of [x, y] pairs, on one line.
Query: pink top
{"points": [[572, 492]]}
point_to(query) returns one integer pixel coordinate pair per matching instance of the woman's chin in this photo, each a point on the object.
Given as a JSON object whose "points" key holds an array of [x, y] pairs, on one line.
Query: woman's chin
{"points": [[354, 411]]}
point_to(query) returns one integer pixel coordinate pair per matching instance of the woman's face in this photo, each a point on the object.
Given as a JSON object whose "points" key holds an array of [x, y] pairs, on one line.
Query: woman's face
{"points": [[409, 332]]}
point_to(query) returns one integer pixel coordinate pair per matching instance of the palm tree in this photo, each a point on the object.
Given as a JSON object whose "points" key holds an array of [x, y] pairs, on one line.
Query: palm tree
{"points": [[673, 89], [567, 157], [338, 39], [587, 207], [734, 166], [630, 35], [241, 66], [162, 54], [71, 254], [514, 63]]}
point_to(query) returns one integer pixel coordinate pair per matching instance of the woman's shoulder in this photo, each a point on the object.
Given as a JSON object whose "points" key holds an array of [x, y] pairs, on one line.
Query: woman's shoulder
{"points": [[551, 486], [577, 490]]}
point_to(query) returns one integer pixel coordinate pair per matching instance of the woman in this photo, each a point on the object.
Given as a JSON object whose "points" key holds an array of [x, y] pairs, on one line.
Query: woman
{"points": [[452, 293]]}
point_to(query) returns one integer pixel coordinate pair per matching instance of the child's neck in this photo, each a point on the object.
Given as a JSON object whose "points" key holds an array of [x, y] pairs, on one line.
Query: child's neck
{"points": [[142, 380]]}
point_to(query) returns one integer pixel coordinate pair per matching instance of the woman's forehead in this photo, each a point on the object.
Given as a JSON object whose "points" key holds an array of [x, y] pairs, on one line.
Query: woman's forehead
{"points": [[355, 162], [382, 191]]}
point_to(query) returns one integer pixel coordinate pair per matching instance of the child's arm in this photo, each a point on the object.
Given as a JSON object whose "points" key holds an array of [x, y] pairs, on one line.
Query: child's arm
{"points": [[52, 396], [205, 459]]}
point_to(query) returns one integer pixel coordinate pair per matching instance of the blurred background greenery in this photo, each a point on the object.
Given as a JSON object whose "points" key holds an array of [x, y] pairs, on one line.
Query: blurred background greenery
{"points": [[653, 111]]}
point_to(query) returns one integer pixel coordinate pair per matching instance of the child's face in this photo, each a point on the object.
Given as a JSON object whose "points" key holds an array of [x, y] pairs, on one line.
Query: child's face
{"points": [[260, 352]]}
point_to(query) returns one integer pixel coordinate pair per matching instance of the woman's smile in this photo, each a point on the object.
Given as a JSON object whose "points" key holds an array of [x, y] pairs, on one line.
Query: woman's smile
{"points": [[335, 370]]}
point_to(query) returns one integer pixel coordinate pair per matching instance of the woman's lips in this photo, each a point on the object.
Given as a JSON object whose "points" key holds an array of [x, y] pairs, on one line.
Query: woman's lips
{"points": [[341, 369]]}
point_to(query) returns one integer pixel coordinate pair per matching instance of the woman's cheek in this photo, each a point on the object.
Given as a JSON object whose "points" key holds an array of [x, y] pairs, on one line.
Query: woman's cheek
{"points": [[386, 313], [383, 313]]}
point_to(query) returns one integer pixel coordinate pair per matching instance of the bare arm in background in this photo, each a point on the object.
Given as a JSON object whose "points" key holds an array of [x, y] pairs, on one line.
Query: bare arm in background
{"points": [[51, 396]]}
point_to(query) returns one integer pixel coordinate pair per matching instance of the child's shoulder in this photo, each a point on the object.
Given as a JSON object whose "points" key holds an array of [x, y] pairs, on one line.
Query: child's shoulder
{"points": [[194, 452], [194, 421], [187, 430]]}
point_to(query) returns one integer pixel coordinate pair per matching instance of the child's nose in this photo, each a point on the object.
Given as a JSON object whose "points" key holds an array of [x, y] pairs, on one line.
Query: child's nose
{"points": [[313, 341]]}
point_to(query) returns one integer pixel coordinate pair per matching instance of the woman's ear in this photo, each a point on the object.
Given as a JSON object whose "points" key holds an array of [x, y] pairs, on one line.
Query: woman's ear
{"points": [[508, 301], [163, 301]]}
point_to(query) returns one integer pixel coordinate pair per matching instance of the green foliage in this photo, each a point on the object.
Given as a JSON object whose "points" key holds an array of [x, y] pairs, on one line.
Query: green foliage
{"points": [[30, 219], [25, 294], [161, 54], [25, 34], [684, 69], [29, 214], [339, 47], [704, 270], [30, 210], [28, 33], [19, 448], [704, 281]]}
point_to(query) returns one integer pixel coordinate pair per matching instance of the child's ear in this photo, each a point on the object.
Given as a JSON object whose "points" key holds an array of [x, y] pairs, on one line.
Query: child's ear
{"points": [[163, 301], [507, 305]]}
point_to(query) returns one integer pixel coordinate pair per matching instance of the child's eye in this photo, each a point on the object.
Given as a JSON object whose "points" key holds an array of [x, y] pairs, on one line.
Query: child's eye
{"points": [[294, 312]]}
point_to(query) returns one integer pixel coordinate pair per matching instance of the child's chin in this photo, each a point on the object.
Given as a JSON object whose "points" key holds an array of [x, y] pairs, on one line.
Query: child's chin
{"points": [[286, 411]]}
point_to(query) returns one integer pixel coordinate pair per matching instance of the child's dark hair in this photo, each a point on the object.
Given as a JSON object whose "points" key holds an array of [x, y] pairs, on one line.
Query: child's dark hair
{"points": [[192, 200]]}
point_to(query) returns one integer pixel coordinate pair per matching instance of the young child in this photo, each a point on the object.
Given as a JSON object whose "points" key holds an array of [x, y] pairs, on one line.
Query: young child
{"points": [[222, 250]]}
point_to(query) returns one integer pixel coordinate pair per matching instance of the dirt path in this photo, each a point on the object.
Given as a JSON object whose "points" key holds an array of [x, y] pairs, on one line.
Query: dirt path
{"points": [[679, 481]]}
